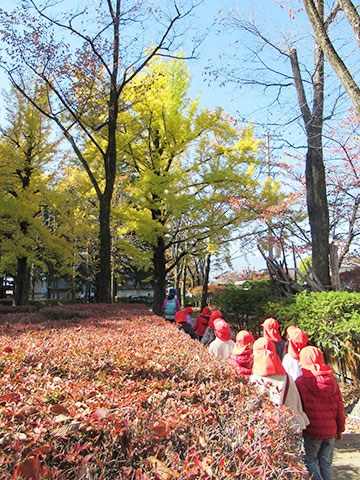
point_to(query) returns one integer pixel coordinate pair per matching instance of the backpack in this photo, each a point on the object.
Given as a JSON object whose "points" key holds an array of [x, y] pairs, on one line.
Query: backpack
{"points": [[170, 308]]}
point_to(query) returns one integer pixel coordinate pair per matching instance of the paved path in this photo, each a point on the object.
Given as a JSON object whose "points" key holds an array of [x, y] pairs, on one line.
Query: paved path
{"points": [[346, 463]]}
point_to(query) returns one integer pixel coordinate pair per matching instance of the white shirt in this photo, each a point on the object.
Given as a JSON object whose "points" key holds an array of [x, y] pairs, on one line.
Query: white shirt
{"points": [[292, 367], [220, 348]]}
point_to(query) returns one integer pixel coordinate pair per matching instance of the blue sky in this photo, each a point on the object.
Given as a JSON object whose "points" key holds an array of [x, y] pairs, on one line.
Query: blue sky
{"points": [[220, 46]]}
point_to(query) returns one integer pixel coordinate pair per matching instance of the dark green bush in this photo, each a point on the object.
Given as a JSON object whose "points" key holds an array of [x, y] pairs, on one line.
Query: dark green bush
{"points": [[330, 319], [244, 305], [6, 301], [4, 309]]}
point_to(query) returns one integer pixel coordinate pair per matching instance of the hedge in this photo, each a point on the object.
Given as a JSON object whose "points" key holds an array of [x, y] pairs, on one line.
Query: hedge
{"points": [[123, 394], [328, 318]]}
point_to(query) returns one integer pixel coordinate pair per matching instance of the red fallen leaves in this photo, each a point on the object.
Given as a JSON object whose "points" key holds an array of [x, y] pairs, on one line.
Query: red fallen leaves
{"points": [[59, 409], [124, 394], [30, 469], [10, 397]]}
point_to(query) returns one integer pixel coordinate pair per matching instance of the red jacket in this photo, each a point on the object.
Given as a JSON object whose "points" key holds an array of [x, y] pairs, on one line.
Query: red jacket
{"points": [[242, 363], [201, 324], [323, 404]]}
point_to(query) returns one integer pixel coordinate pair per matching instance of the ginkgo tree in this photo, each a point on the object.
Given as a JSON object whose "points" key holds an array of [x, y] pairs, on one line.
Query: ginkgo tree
{"points": [[68, 49], [27, 156], [185, 163]]}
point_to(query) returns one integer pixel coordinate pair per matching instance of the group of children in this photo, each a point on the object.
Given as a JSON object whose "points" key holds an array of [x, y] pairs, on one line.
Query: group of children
{"points": [[292, 372]]}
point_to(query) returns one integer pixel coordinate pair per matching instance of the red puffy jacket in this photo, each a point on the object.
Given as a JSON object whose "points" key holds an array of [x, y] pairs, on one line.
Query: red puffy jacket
{"points": [[322, 402], [202, 322]]}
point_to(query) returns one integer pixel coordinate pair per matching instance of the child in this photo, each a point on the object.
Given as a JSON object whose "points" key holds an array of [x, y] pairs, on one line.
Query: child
{"points": [[242, 355], [269, 374], [188, 312], [297, 339], [222, 346], [171, 305], [209, 335], [181, 322], [271, 332], [202, 322], [323, 404]]}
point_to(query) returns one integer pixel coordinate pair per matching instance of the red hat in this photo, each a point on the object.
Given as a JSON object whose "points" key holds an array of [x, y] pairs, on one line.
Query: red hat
{"points": [[180, 316], [312, 363], [297, 340], [188, 311], [214, 315], [271, 330], [266, 360], [243, 338], [205, 312], [289, 328], [222, 330]]}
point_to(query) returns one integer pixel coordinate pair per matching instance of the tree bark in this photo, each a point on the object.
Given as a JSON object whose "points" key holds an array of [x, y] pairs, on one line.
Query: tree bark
{"points": [[205, 282], [317, 210], [335, 272], [104, 275], [22, 282], [159, 263], [183, 284]]}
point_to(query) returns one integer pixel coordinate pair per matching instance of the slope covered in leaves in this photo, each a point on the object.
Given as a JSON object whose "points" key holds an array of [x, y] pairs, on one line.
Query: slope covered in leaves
{"points": [[122, 394]]}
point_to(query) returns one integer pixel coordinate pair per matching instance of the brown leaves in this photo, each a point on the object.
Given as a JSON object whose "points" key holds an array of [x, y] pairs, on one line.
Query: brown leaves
{"points": [[59, 409]]}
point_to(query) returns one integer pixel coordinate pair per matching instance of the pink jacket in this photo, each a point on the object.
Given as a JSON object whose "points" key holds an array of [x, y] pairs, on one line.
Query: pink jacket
{"points": [[323, 404]]}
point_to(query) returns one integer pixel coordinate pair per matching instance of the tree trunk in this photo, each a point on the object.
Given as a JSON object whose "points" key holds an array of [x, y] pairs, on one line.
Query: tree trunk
{"points": [[335, 272], [73, 284], [104, 275], [317, 205], [49, 280], [22, 284], [159, 281], [318, 213], [205, 282], [183, 284]]}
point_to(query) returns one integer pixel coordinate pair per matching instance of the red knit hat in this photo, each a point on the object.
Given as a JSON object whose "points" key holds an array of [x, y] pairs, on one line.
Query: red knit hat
{"points": [[271, 329], [266, 360], [243, 338], [312, 363], [214, 315], [297, 340], [222, 330]]}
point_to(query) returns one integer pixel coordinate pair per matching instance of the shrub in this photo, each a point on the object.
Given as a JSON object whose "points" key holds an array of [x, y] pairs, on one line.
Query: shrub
{"points": [[331, 321], [244, 304], [126, 395], [4, 309], [327, 317], [6, 301]]}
